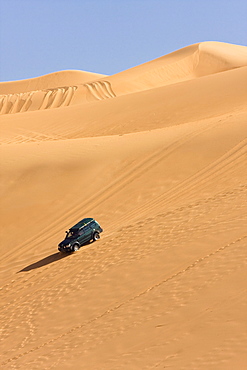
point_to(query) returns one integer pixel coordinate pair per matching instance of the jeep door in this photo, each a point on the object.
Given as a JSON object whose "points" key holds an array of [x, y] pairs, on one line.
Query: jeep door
{"points": [[88, 233], [81, 236]]}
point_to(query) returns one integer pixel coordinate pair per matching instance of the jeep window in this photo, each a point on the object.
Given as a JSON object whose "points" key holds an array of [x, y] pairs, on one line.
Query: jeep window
{"points": [[72, 234]]}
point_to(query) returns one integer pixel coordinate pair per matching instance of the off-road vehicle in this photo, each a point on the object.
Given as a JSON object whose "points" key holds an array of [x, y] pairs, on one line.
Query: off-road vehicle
{"points": [[83, 232]]}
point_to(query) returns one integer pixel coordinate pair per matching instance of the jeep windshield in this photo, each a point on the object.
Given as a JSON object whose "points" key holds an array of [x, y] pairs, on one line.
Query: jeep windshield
{"points": [[71, 234]]}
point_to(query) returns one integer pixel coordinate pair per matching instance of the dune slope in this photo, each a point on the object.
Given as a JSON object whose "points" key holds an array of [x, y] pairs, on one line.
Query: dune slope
{"points": [[157, 154]]}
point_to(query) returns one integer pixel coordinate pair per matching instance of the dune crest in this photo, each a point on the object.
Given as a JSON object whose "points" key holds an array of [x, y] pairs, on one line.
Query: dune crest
{"points": [[52, 91], [215, 57], [49, 81], [46, 92], [191, 62]]}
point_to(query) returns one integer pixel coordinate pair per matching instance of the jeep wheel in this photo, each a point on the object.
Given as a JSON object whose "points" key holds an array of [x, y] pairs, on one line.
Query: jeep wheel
{"points": [[75, 248], [96, 236]]}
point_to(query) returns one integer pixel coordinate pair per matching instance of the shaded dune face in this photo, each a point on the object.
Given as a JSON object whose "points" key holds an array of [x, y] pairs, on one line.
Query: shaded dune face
{"points": [[157, 155]]}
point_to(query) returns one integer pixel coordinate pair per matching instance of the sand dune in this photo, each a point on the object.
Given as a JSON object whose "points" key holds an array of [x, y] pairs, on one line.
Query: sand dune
{"points": [[191, 62], [49, 91], [74, 87], [50, 81], [157, 154]]}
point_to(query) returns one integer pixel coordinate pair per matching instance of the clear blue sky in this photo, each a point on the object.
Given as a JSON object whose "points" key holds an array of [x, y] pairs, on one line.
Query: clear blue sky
{"points": [[107, 36]]}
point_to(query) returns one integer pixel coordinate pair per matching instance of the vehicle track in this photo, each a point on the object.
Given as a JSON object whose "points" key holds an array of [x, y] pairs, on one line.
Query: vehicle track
{"points": [[100, 90], [233, 160], [23, 102], [190, 267], [191, 210], [127, 177]]}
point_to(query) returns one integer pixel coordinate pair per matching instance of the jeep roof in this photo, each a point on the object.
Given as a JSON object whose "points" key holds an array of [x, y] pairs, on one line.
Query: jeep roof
{"points": [[81, 223]]}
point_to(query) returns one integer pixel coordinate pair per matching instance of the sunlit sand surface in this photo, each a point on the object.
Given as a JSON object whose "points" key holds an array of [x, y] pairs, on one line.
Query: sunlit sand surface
{"points": [[157, 155]]}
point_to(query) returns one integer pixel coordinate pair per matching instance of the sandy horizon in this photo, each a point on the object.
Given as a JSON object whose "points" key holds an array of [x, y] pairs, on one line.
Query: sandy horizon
{"points": [[157, 155]]}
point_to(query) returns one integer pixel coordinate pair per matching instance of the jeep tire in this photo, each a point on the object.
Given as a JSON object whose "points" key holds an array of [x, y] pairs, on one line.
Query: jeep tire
{"points": [[75, 248], [96, 236]]}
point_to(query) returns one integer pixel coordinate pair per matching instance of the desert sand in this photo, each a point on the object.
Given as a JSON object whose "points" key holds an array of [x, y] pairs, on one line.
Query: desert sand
{"points": [[157, 155]]}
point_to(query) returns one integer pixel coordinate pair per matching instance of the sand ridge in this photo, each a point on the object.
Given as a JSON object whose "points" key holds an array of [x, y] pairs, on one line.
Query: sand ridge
{"points": [[157, 154], [192, 62]]}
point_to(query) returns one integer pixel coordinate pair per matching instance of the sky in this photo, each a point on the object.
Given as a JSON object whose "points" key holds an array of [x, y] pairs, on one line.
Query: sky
{"points": [[38, 37]]}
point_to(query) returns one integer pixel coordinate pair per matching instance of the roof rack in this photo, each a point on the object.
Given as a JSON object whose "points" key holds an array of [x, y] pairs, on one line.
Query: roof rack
{"points": [[82, 223]]}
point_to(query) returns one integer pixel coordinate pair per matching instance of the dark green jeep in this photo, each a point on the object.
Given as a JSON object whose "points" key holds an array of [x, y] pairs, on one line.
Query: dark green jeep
{"points": [[83, 232]]}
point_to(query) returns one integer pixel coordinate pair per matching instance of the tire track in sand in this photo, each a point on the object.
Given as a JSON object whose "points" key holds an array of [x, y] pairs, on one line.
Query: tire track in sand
{"points": [[36, 100], [100, 90], [193, 265], [117, 185]]}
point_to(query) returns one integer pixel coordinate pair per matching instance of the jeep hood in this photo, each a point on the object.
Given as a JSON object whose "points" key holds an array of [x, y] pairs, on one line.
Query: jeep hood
{"points": [[65, 242]]}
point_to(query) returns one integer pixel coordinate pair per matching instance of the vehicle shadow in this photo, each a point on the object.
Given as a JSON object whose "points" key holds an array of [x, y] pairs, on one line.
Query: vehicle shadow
{"points": [[45, 261]]}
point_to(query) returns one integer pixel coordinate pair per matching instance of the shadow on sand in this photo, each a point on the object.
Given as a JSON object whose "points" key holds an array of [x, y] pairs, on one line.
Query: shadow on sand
{"points": [[45, 261]]}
